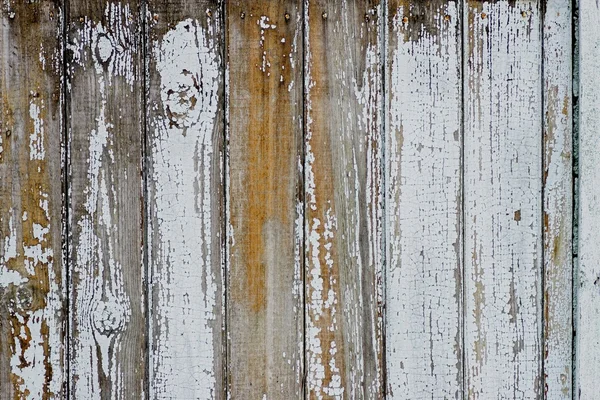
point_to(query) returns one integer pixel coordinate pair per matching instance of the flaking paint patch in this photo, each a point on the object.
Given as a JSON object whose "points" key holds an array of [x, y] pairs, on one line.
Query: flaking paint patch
{"points": [[27, 274], [423, 304], [183, 180], [103, 305], [342, 178], [558, 202], [502, 174]]}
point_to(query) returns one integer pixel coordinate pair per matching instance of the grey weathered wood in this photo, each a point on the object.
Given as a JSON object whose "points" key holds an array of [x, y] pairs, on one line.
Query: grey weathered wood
{"points": [[343, 199], [587, 311], [264, 204], [32, 284], [185, 114], [503, 201], [558, 203], [424, 200], [107, 321]]}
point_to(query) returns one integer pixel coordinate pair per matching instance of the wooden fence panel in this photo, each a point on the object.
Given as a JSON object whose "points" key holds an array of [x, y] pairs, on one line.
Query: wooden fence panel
{"points": [[186, 134], [587, 311], [32, 284], [299, 199], [503, 202], [343, 199], [264, 205], [424, 203], [107, 322], [558, 201]]}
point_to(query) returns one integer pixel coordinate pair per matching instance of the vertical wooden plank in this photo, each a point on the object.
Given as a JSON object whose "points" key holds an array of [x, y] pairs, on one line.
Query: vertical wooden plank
{"points": [[424, 271], [587, 312], [32, 290], [185, 199], [343, 184], [265, 315], [105, 75], [503, 202], [558, 203]]}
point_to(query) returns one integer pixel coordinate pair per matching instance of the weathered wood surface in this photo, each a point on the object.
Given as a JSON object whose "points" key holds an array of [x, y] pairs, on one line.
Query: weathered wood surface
{"points": [[264, 205], [587, 311], [503, 202], [186, 135], [298, 199], [32, 284], [107, 314], [343, 199], [424, 207], [558, 201]]}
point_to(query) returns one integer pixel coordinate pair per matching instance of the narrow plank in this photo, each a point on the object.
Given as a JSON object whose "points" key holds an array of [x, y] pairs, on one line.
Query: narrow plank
{"points": [[343, 150], [424, 200], [107, 321], [32, 289], [503, 202], [185, 113], [587, 311], [264, 181], [558, 200]]}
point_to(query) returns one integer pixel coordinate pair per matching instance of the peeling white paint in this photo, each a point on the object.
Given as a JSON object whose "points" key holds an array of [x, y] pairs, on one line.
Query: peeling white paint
{"points": [[102, 303], [503, 202], [185, 172], [342, 178], [423, 216], [26, 262]]}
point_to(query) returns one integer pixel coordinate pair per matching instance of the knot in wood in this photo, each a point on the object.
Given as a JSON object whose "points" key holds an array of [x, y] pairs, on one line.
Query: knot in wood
{"points": [[108, 318], [19, 298], [24, 298], [104, 49]]}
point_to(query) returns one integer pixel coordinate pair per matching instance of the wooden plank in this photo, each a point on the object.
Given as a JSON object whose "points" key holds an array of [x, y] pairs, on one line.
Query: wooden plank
{"points": [[558, 200], [503, 202], [185, 199], [107, 323], [343, 199], [32, 289], [264, 181], [587, 278], [424, 200]]}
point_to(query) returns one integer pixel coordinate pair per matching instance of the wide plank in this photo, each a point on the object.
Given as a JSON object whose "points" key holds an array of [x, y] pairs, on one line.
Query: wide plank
{"points": [[503, 199], [186, 133], [264, 199], [107, 294], [558, 200], [343, 199], [587, 278], [32, 272], [424, 200]]}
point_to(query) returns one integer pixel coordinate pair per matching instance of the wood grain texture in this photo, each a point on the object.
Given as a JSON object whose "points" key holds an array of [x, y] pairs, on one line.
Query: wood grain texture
{"points": [[587, 311], [264, 309], [32, 285], [424, 201], [343, 199], [107, 322], [186, 127], [503, 202], [558, 200]]}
